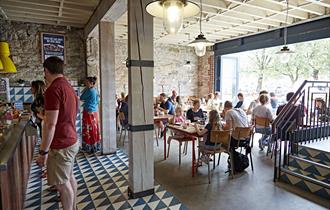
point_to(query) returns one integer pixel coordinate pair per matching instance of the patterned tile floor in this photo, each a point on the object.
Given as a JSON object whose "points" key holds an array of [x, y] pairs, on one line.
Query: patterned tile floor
{"points": [[102, 184]]}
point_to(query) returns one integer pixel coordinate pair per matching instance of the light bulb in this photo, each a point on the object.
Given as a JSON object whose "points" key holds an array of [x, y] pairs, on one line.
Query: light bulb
{"points": [[284, 57], [173, 16], [200, 49]]}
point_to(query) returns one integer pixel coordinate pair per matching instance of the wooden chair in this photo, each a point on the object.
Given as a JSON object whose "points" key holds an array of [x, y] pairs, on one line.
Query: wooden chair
{"points": [[180, 141], [221, 140], [243, 136], [124, 127], [264, 123], [184, 140]]}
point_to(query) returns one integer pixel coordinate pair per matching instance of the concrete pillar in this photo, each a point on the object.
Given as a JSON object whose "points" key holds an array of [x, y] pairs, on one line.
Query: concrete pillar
{"points": [[108, 87], [140, 86]]}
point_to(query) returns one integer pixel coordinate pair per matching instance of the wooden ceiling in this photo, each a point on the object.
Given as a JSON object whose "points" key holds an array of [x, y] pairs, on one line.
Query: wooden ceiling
{"points": [[222, 19], [228, 19], [54, 12]]}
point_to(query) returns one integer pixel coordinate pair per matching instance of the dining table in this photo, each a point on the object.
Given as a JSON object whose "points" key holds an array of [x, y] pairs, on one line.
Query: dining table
{"points": [[190, 131]]}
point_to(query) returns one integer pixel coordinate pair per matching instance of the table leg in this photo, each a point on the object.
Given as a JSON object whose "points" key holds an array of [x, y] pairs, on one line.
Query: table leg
{"points": [[193, 159], [164, 143]]}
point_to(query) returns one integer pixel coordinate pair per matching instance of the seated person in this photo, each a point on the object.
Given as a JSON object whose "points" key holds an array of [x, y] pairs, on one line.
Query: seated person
{"points": [[234, 118], [296, 115], [240, 103], [322, 112], [124, 108], [263, 111], [165, 106], [172, 99], [214, 124], [178, 119], [195, 113], [255, 102]]}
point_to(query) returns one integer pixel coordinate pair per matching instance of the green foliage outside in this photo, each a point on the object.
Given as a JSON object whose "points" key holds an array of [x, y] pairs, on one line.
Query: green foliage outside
{"points": [[311, 61]]}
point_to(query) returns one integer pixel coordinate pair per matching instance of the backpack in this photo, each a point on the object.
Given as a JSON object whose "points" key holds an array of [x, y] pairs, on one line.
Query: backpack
{"points": [[241, 161]]}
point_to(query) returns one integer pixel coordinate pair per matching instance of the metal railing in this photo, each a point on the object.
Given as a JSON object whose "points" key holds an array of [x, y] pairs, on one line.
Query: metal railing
{"points": [[304, 119]]}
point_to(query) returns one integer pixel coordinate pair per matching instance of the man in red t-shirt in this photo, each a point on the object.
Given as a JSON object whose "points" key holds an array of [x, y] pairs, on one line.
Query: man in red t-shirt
{"points": [[59, 145]]}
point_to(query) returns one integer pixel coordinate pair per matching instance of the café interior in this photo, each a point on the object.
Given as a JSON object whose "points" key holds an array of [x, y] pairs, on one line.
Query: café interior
{"points": [[151, 52]]}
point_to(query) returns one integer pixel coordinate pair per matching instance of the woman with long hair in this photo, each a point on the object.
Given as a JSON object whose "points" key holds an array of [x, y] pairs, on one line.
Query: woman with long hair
{"points": [[37, 106], [90, 128]]}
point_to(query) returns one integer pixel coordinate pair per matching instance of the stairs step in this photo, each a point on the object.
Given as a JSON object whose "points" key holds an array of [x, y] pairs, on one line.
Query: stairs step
{"points": [[315, 155], [311, 175], [311, 168], [317, 187]]}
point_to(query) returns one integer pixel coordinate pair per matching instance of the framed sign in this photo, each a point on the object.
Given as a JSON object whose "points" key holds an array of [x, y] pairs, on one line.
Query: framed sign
{"points": [[52, 45]]}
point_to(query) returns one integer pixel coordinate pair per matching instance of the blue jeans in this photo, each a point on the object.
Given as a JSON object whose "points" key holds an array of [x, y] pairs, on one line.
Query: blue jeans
{"points": [[265, 133]]}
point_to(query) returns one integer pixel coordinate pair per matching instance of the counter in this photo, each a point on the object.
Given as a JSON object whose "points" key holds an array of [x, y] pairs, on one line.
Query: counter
{"points": [[16, 153]]}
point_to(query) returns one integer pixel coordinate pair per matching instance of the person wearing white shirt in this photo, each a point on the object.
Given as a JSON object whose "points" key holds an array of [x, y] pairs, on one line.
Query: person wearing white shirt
{"points": [[263, 111]]}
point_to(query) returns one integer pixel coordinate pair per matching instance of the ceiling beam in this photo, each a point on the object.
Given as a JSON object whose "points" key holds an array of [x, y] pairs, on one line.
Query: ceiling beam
{"points": [[45, 15], [70, 22], [47, 3], [324, 3], [42, 21], [51, 11], [114, 7], [60, 10], [306, 7]]}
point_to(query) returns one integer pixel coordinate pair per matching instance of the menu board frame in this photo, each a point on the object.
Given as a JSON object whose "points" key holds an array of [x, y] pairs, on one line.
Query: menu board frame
{"points": [[53, 44]]}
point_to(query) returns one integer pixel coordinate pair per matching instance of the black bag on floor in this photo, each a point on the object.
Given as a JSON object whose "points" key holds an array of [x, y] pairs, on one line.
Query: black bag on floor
{"points": [[241, 161]]}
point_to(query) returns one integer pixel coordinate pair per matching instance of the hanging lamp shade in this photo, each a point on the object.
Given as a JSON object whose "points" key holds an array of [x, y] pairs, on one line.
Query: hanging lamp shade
{"points": [[1, 66], [200, 43], [7, 63], [172, 12], [284, 54]]}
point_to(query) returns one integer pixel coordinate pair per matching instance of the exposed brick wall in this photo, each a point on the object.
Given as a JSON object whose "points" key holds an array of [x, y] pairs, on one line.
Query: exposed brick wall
{"points": [[206, 74], [25, 47]]}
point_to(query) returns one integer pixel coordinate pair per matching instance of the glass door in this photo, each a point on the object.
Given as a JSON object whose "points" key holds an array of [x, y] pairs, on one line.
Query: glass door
{"points": [[228, 77]]}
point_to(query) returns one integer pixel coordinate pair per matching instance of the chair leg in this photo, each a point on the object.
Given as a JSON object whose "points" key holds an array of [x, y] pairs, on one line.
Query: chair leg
{"points": [[213, 161], [219, 158], [121, 132], [125, 130], [180, 144], [157, 138], [232, 164], [185, 148], [251, 161], [169, 145], [208, 170]]}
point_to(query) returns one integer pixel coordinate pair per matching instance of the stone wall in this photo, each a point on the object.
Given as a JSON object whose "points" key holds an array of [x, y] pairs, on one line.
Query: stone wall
{"points": [[25, 47], [170, 71]]}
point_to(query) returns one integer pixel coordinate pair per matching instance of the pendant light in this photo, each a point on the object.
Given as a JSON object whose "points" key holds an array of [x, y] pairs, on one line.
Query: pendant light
{"points": [[1, 66], [172, 12], [200, 43], [285, 52], [7, 63]]}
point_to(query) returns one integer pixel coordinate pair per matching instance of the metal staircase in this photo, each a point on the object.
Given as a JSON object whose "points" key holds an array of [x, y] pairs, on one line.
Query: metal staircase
{"points": [[302, 122]]}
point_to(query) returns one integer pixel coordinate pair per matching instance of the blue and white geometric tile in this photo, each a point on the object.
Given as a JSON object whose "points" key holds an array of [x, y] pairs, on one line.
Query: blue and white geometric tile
{"points": [[102, 184]]}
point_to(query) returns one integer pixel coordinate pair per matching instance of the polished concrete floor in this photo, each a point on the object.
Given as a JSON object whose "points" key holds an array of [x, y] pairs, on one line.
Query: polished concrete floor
{"points": [[248, 190]]}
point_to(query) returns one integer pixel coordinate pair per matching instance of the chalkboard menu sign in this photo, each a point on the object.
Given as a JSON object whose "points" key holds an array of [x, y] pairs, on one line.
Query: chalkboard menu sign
{"points": [[52, 45]]}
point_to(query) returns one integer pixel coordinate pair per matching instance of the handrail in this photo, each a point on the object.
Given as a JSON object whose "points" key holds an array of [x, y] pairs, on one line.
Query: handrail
{"points": [[293, 129]]}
